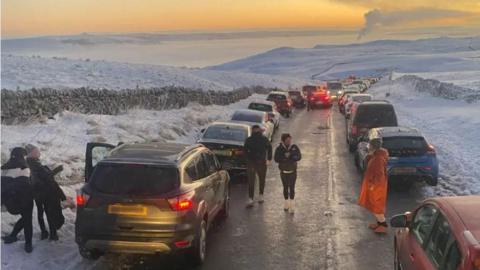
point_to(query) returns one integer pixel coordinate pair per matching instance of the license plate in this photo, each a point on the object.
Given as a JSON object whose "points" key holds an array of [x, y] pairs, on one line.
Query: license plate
{"points": [[403, 170], [226, 153], [318, 102], [127, 209]]}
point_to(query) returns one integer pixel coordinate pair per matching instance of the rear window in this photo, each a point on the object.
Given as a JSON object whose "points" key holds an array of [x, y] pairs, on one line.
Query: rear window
{"points": [[260, 107], [272, 97], [134, 179], [334, 86], [294, 93], [402, 146], [226, 133], [375, 116], [248, 117]]}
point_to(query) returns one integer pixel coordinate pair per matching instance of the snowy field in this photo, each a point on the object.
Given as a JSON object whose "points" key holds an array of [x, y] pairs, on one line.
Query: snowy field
{"points": [[62, 141], [452, 126]]}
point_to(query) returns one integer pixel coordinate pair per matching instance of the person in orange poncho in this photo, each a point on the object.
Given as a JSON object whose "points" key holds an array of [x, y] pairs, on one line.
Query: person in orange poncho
{"points": [[373, 195]]}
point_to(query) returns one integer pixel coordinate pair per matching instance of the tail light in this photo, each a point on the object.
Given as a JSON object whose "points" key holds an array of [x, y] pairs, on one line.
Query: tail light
{"points": [[354, 130], [82, 198], [431, 150], [182, 202]]}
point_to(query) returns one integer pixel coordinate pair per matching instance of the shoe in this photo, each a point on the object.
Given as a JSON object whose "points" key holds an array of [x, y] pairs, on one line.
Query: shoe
{"points": [[250, 203], [292, 207], [260, 198], [286, 205], [28, 247], [373, 226], [382, 228], [53, 237], [9, 239], [44, 235]]}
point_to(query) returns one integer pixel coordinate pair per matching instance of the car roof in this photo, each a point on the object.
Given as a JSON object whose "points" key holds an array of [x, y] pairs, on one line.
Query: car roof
{"points": [[266, 102], [360, 95], [376, 102], [232, 123], [149, 153], [463, 208], [385, 132], [278, 93], [251, 112]]}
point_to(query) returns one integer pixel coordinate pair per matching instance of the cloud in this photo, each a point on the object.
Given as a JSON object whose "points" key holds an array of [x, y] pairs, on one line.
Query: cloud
{"points": [[409, 4], [377, 18]]}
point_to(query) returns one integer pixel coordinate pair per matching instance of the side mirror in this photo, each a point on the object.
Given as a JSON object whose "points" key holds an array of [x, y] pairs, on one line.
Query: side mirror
{"points": [[400, 221]]}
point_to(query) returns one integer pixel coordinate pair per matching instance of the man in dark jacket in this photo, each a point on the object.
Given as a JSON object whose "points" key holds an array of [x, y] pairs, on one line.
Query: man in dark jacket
{"points": [[287, 155], [259, 152], [47, 193], [17, 196]]}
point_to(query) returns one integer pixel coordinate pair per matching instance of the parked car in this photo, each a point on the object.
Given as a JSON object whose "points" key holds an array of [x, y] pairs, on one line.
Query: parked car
{"points": [[361, 84], [335, 88], [283, 102], [268, 107], [255, 118], [355, 98], [412, 158], [226, 141], [320, 98], [298, 98], [149, 198], [368, 115], [442, 233], [343, 98]]}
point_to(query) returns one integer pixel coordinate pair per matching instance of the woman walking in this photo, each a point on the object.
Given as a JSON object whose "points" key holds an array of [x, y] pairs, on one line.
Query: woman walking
{"points": [[287, 155], [373, 195]]}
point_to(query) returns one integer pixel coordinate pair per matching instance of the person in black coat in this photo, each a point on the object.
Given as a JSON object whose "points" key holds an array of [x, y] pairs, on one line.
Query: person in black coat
{"points": [[48, 194], [17, 196], [259, 153], [287, 155]]}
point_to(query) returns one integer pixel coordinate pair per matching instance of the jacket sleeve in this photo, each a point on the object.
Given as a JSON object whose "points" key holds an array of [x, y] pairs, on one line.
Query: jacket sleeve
{"points": [[269, 149], [49, 179], [278, 155], [296, 154]]}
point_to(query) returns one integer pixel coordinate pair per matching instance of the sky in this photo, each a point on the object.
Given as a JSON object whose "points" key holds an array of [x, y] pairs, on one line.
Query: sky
{"points": [[24, 18]]}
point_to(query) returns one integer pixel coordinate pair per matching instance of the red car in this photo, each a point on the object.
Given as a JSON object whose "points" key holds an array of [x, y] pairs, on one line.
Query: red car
{"points": [[442, 233], [319, 98], [282, 101]]}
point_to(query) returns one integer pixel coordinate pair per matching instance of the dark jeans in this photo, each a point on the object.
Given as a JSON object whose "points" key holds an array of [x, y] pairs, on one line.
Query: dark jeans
{"points": [[25, 223], [255, 168], [44, 207], [288, 181]]}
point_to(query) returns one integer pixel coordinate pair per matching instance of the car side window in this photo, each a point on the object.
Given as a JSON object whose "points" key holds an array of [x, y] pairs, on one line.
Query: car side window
{"points": [[201, 167], [191, 170], [423, 223], [454, 257], [439, 242], [210, 164]]}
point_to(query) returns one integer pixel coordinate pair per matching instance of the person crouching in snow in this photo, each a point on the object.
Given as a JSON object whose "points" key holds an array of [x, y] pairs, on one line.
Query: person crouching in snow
{"points": [[373, 195], [287, 155], [17, 196]]}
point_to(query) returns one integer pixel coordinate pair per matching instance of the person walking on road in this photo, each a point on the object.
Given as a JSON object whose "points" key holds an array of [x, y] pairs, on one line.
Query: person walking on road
{"points": [[47, 193], [259, 154], [17, 196], [373, 195], [287, 155]]}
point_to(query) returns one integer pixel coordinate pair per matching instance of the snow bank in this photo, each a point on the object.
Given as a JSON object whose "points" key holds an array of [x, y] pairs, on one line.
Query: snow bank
{"points": [[21, 72], [450, 125]]}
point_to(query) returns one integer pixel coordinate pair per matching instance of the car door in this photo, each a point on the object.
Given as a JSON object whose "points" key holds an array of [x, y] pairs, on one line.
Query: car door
{"points": [[412, 255], [94, 153], [209, 183], [218, 186], [442, 248]]}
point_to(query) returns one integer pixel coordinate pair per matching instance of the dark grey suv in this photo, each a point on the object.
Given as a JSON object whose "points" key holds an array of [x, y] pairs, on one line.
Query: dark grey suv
{"points": [[149, 198]]}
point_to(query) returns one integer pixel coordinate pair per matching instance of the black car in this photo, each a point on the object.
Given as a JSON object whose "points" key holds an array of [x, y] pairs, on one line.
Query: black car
{"points": [[298, 98], [149, 198], [226, 141], [368, 115]]}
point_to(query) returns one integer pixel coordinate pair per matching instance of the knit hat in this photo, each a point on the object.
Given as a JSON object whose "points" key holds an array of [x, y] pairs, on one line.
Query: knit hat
{"points": [[376, 143], [30, 148]]}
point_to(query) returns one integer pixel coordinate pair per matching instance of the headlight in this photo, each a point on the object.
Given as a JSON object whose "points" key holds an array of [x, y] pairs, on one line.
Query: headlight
{"points": [[340, 92]]}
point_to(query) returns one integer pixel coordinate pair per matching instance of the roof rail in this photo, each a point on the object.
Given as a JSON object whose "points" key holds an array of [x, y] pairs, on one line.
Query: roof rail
{"points": [[187, 150]]}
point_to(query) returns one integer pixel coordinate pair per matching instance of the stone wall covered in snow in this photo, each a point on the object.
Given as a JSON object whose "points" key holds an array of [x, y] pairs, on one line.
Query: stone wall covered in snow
{"points": [[21, 106]]}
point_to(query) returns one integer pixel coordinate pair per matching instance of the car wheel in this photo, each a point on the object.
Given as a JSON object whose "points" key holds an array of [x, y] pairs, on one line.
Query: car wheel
{"points": [[352, 147], [199, 250], [89, 254], [225, 212], [395, 258]]}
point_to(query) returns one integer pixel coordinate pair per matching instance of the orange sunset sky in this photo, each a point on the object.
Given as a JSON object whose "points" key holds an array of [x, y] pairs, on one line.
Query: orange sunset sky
{"points": [[21, 18]]}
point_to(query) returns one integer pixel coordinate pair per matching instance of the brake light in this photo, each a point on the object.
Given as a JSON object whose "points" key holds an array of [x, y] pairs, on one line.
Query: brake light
{"points": [[354, 130], [431, 150], [182, 244], [182, 202], [82, 198]]}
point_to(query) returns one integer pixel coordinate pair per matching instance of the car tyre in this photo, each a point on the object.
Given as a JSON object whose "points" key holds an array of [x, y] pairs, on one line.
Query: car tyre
{"points": [[352, 147], [199, 250], [225, 212], [89, 254], [395, 258]]}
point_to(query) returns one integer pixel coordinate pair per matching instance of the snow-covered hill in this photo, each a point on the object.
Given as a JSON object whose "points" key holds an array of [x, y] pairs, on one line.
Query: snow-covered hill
{"points": [[22, 72]]}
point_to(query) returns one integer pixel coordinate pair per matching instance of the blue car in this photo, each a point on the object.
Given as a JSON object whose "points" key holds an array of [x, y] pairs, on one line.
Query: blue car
{"points": [[412, 158]]}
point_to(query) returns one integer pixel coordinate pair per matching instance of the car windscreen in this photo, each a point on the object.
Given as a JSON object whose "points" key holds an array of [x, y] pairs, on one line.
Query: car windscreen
{"points": [[276, 97], [361, 98], [134, 179], [248, 117], [260, 107], [334, 86], [295, 93], [401, 146], [375, 116], [227, 133]]}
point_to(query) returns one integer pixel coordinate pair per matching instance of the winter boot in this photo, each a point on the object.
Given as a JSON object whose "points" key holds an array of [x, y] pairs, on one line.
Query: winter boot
{"points": [[28, 247], [286, 205], [250, 203], [53, 236], [9, 239], [44, 235], [260, 198], [292, 207], [381, 228]]}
